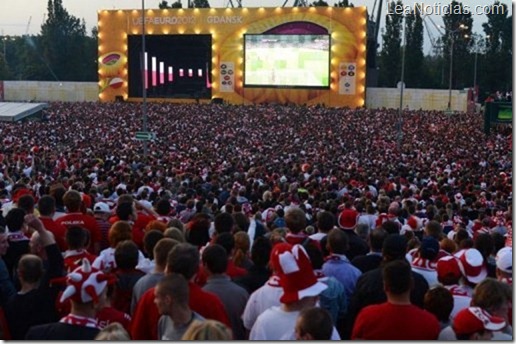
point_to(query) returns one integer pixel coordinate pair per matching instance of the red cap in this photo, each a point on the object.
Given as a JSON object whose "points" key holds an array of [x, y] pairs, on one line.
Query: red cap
{"points": [[447, 267], [348, 219], [475, 319]]}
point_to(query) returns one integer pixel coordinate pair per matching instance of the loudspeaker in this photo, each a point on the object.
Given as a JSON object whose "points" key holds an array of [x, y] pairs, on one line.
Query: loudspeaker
{"points": [[217, 100], [119, 99]]}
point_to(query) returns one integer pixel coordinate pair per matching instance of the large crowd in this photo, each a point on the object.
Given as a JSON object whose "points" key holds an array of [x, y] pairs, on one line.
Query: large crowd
{"points": [[260, 222]]}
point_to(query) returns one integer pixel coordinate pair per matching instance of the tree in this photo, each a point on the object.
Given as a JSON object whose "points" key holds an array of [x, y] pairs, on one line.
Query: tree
{"points": [[164, 4], [319, 3], [455, 16], [414, 57], [200, 4], [390, 56], [498, 64], [63, 43], [343, 3]]}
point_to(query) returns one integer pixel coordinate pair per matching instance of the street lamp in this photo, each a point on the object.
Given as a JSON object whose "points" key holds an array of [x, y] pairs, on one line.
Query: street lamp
{"points": [[402, 85], [452, 37], [144, 76], [478, 43]]}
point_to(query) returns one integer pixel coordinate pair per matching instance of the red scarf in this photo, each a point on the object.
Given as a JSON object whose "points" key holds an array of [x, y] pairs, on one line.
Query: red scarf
{"points": [[77, 320]]}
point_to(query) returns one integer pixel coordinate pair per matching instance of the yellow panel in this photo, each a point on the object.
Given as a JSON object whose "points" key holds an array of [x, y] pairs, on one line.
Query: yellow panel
{"points": [[347, 27]]}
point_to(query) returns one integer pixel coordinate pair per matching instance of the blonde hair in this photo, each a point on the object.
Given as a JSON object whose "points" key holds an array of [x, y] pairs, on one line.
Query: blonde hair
{"points": [[113, 331], [207, 330], [174, 233]]}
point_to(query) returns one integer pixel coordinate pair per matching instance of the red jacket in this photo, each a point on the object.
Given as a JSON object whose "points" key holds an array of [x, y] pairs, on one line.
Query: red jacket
{"points": [[146, 315]]}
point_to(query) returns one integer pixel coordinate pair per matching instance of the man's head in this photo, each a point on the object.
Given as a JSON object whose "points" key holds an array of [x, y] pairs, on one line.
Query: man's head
{"points": [[215, 259], [161, 251], [493, 296], [171, 293], [76, 238], [429, 248], [434, 229], [47, 205], [183, 259], [150, 239], [15, 219], [376, 239], [126, 255], [295, 220], [314, 323], [394, 247], [126, 211], [72, 200], [439, 302], [26, 202], [325, 221], [337, 241], [30, 269], [223, 223], [227, 241], [397, 277]]}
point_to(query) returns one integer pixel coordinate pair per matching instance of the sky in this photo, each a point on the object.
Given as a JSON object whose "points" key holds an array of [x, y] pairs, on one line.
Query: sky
{"points": [[15, 14]]}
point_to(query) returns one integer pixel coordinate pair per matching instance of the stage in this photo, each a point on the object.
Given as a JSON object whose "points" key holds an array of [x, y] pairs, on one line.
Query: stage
{"points": [[13, 112]]}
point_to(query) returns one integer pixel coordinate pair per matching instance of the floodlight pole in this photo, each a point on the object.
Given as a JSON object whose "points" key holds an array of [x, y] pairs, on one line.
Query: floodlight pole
{"points": [[144, 76], [402, 84]]}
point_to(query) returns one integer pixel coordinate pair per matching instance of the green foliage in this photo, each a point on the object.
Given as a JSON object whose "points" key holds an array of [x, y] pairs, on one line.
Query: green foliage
{"points": [[319, 3], [414, 57], [390, 56], [163, 4], [64, 47], [457, 16], [200, 4], [344, 3], [498, 59]]}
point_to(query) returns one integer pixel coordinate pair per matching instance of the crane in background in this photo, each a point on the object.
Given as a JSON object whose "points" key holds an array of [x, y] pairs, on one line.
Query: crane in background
{"points": [[28, 26]]}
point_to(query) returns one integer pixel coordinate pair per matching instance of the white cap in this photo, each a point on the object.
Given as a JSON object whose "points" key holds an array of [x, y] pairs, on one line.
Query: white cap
{"points": [[101, 207], [504, 259]]}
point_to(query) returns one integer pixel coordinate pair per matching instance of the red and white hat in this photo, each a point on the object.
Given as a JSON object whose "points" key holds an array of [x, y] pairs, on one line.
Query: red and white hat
{"points": [[294, 269], [448, 267], [504, 259], [84, 284], [348, 219], [472, 265], [475, 319]]}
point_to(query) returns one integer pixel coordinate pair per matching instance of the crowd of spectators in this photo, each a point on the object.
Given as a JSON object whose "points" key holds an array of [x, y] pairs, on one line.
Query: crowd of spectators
{"points": [[259, 222]]}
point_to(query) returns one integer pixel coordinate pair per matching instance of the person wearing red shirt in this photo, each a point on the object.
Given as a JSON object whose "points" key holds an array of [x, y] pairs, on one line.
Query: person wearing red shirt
{"points": [[227, 241], [127, 210], [47, 208], [396, 319], [73, 200], [107, 314], [183, 259]]}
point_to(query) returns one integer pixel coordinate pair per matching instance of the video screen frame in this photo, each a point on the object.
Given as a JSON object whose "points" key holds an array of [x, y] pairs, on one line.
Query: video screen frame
{"points": [[197, 79], [249, 84]]}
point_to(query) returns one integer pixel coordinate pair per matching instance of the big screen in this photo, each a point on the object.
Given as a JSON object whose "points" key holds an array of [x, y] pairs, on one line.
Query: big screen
{"points": [[175, 66], [287, 61]]}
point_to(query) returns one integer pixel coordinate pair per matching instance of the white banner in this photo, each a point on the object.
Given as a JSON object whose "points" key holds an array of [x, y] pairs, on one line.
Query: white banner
{"points": [[227, 77]]}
